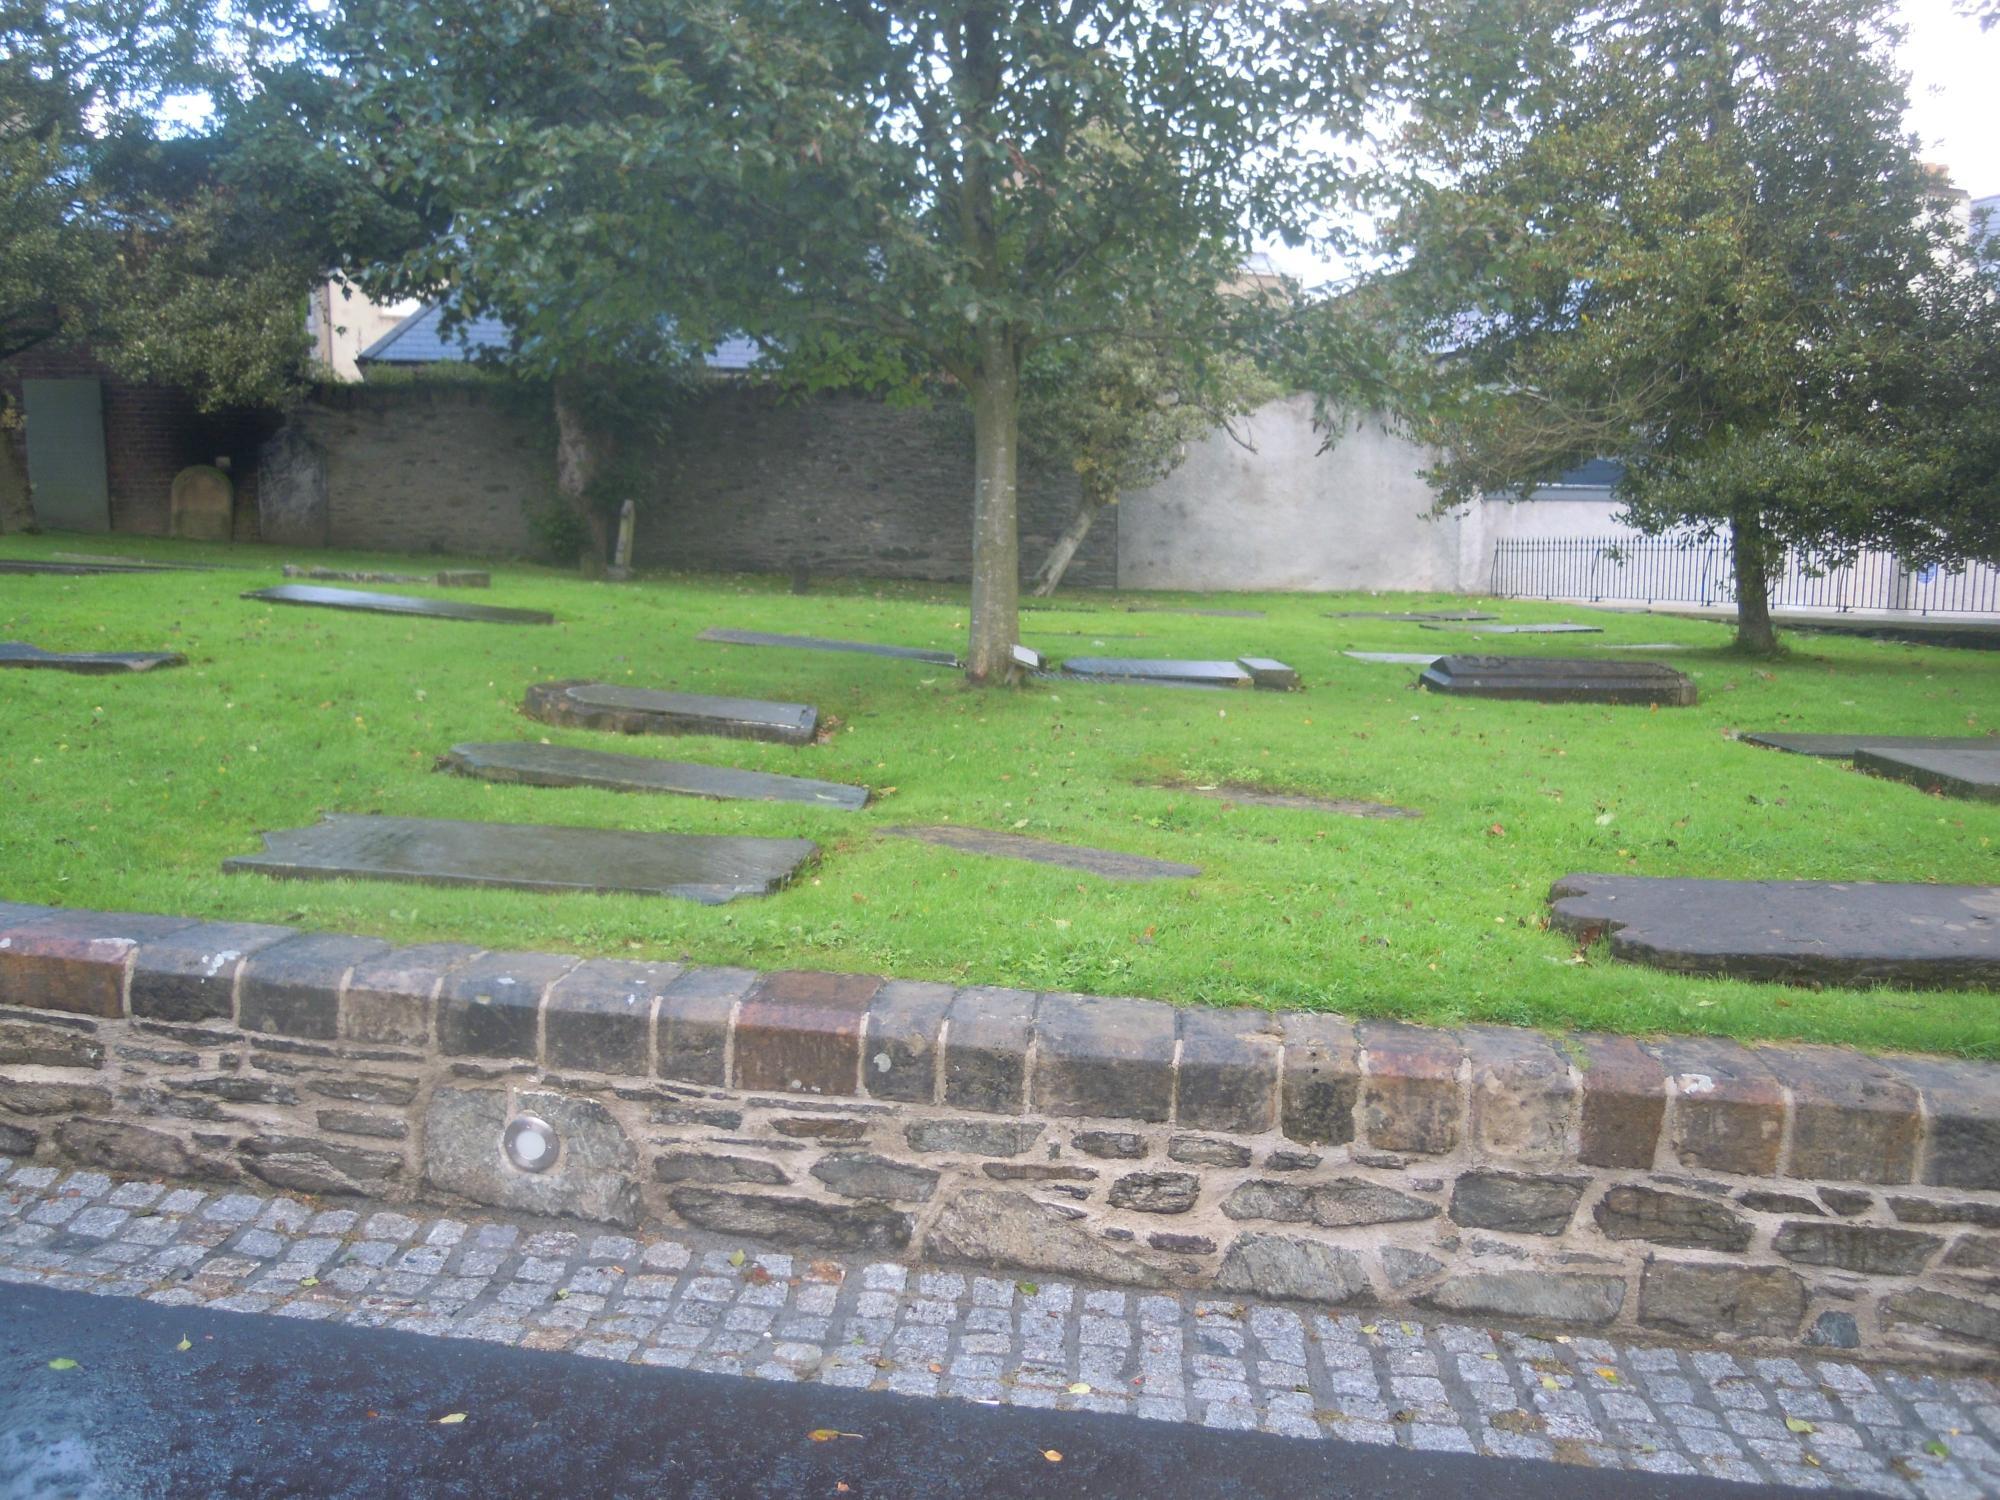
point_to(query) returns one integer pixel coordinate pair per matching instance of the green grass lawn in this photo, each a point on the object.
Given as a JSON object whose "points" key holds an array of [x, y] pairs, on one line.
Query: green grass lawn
{"points": [[128, 793]]}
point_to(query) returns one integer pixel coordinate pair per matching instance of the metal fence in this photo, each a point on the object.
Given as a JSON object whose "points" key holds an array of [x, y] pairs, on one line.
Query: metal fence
{"points": [[1671, 570]]}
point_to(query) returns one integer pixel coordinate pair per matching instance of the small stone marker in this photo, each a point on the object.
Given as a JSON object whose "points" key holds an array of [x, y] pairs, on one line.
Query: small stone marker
{"points": [[1409, 617], [531, 764], [1027, 658], [1151, 669], [1557, 679], [1845, 746], [1854, 933], [1396, 658], [1108, 863], [1560, 627], [201, 506], [630, 710], [95, 663], [1266, 673], [821, 643], [462, 578], [530, 857], [398, 604], [1974, 774], [1251, 796]]}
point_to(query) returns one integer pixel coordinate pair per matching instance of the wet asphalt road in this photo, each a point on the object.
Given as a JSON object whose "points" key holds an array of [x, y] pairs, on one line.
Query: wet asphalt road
{"points": [[263, 1406]]}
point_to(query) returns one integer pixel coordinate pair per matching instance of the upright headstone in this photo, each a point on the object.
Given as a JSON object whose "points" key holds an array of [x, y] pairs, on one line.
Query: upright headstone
{"points": [[621, 554], [201, 506], [292, 503]]}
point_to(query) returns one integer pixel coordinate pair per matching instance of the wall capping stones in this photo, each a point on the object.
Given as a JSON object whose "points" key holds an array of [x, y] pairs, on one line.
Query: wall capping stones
{"points": [[1690, 1185]]}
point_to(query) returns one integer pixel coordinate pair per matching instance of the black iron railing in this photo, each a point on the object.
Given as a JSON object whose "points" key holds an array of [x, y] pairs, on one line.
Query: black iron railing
{"points": [[1672, 570]]}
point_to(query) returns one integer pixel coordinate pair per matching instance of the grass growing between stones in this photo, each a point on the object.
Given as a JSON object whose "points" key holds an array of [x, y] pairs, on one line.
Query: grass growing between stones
{"points": [[128, 793]]}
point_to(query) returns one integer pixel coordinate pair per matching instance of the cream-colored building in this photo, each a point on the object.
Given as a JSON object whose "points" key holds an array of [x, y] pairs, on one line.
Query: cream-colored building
{"points": [[343, 322]]}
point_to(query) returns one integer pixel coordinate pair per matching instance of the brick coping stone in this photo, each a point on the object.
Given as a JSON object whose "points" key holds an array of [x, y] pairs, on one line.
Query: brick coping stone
{"points": [[1692, 1185]]}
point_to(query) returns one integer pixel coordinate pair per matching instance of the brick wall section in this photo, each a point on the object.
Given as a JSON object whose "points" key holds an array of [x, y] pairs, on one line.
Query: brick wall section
{"points": [[1695, 1187], [749, 483], [151, 433]]}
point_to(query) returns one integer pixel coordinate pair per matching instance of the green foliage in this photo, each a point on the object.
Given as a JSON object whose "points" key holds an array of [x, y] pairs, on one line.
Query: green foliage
{"points": [[147, 243], [1692, 236]]}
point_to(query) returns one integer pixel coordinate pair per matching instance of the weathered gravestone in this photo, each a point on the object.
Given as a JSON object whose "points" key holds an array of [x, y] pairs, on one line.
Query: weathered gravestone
{"points": [[1824, 931], [531, 764], [621, 551], [1556, 679], [76, 569], [1844, 746], [1173, 609], [452, 578], [1396, 658], [1409, 617], [1973, 774], [725, 637], [1160, 670], [201, 506], [1270, 674], [96, 663], [398, 604], [632, 710], [1105, 862], [529, 857], [293, 507], [1560, 627], [1252, 796]]}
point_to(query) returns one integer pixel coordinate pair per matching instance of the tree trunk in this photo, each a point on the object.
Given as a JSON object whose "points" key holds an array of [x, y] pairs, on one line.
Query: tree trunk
{"points": [[996, 537], [1050, 575], [576, 466], [1748, 545]]}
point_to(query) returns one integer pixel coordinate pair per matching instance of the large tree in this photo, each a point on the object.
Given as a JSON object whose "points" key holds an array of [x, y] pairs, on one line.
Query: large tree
{"points": [[133, 218], [882, 191], [1692, 235]]}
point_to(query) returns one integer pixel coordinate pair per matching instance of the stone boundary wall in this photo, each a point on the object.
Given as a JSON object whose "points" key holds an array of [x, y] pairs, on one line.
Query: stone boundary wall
{"points": [[1687, 1187]]}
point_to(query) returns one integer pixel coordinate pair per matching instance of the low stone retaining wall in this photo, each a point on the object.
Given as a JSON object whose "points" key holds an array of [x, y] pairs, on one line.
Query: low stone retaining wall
{"points": [[1692, 1186]]}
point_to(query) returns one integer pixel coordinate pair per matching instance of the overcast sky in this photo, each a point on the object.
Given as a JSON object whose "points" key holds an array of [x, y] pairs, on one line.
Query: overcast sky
{"points": [[1954, 71]]}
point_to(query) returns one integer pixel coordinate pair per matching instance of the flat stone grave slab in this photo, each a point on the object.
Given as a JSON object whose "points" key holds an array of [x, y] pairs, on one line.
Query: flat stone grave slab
{"points": [[633, 710], [1635, 646], [1831, 932], [819, 643], [1955, 773], [398, 604], [1396, 658], [530, 764], [1557, 679], [120, 564], [1252, 796], [529, 857], [458, 578], [1106, 862], [1207, 614], [1156, 669], [1270, 674], [95, 663], [1557, 627], [1845, 746], [78, 569], [1410, 616]]}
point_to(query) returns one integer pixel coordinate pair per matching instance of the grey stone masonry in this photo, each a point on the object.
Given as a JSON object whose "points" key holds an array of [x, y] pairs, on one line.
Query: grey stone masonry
{"points": [[1778, 1197], [854, 1320]]}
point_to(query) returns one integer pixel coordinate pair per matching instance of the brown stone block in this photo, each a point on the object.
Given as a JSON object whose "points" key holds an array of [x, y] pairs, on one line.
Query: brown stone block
{"points": [[693, 1025], [1854, 1119], [1743, 1301], [600, 1015], [392, 999], [190, 975], [491, 1007], [1321, 1080], [904, 1020], [1228, 1076], [1729, 1112], [801, 1032], [1409, 1093], [1624, 1102], [986, 1049], [1106, 1059], [51, 970], [1523, 1097], [1962, 1105]]}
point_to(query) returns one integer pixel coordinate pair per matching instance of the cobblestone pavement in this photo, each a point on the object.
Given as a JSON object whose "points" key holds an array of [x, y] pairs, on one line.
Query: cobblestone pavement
{"points": [[707, 1304]]}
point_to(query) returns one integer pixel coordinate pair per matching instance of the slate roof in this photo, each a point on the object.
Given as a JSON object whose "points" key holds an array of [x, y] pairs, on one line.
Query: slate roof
{"points": [[420, 340]]}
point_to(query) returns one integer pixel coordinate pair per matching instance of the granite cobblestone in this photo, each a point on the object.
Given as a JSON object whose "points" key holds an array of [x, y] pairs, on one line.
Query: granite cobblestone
{"points": [[701, 1302]]}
